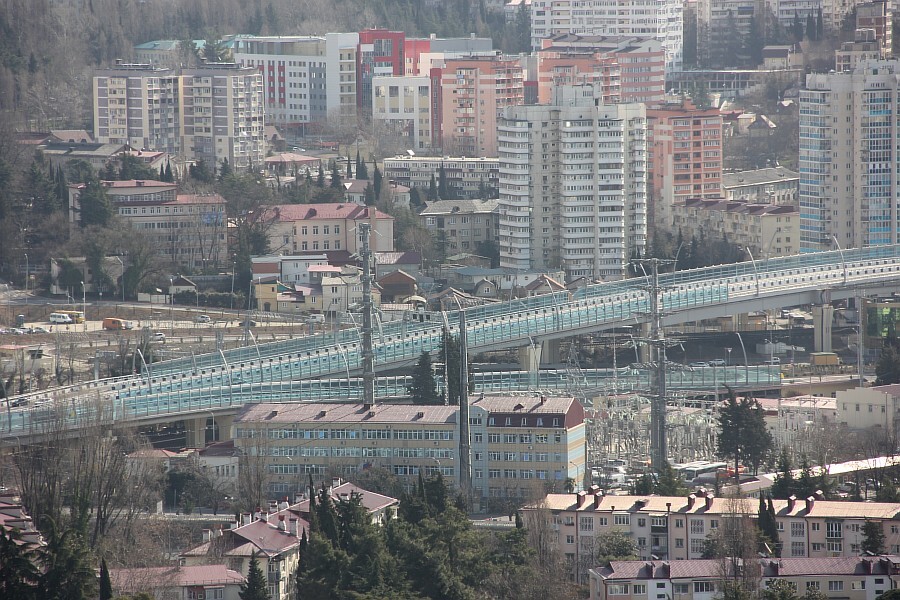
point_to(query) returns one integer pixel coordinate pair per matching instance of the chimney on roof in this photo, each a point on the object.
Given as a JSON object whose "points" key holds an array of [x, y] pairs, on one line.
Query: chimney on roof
{"points": [[598, 498], [281, 525], [246, 518], [810, 502], [691, 499], [649, 566], [708, 499], [819, 494], [207, 535], [543, 399], [579, 499], [284, 504], [336, 482], [292, 527], [792, 500]]}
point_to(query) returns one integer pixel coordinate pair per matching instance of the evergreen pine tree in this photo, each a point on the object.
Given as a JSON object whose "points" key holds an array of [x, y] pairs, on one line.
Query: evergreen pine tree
{"points": [[224, 169], [415, 200], [336, 177], [443, 187], [256, 587], [810, 28], [783, 486], [350, 169], [432, 190], [820, 25], [768, 526], [106, 591], [873, 537], [162, 173], [362, 171], [95, 206], [423, 389], [668, 482], [376, 181], [797, 28], [169, 177], [320, 180]]}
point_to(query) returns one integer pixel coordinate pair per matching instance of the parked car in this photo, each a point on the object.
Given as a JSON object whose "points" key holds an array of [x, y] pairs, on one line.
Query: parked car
{"points": [[774, 361], [38, 329], [717, 362], [159, 336], [202, 319], [699, 364]]}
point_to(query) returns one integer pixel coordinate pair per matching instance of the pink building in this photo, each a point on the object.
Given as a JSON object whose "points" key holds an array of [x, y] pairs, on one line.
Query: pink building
{"points": [[624, 69], [474, 92], [684, 157]]}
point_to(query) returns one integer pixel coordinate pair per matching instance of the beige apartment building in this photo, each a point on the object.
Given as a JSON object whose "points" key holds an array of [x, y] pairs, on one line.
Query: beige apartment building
{"points": [[762, 186], [317, 228], [465, 176], [520, 445], [768, 230], [188, 230], [676, 527], [211, 113], [465, 223], [402, 108], [874, 407], [850, 578]]}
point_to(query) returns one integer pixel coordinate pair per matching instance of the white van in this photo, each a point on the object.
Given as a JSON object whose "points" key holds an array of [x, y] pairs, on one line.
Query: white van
{"points": [[315, 318], [60, 319]]}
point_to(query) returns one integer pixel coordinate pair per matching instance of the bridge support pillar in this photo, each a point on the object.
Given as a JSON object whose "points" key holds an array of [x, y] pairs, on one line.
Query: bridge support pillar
{"points": [[530, 357], [200, 431], [822, 319], [550, 353]]}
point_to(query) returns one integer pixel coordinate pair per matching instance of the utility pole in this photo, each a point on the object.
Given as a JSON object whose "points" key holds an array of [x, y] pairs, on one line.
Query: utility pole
{"points": [[368, 356], [658, 442], [465, 449]]}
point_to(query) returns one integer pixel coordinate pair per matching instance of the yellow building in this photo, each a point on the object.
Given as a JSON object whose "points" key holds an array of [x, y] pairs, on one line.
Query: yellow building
{"points": [[519, 444]]}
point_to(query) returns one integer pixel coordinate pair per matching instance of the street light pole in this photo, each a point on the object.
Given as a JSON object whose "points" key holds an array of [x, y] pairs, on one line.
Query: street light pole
{"points": [[233, 267], [26, 278], [122, 264], [84, 305]]}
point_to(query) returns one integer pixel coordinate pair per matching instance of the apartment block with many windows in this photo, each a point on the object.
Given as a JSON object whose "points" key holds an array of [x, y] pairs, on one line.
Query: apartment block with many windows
{"points": [[573, 185], [846, 578], [466, 177], [403, 107], [848, 150], [676, 527], [520, 445], [647, 19], [684, 157], [465, 223]]}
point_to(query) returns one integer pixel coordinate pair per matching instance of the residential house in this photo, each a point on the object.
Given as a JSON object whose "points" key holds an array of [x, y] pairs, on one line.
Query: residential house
{"points": [[210, 582], [302, 228], [776, 185], [397, 286]]}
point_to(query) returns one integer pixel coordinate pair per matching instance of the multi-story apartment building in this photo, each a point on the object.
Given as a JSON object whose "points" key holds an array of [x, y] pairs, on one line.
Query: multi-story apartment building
{"points": [[868, 408], [863, 47], [306, 78], [140, 106], [188, 230], [404, 107], [573, 186], [851, 578], [785, 11], [519, 445], [769, 230], [301, 228], [474, 92], [342, 289], [212, 113], [717, 22], [848, 142], [684, 157], [465, 223], [776, 185], [434, 46], [877, 17], [465, 176], [223, 115], [675, 528], [645, 19], [159, 53], [380, 53], [622, 69]]}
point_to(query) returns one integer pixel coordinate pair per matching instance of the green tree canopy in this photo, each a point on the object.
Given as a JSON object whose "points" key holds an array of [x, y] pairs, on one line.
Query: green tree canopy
{"points": [[873, 537], [423, 389], [743, 435], [256, 587]]}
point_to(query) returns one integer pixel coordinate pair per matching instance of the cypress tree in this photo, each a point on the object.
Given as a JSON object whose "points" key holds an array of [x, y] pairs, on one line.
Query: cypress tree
{"points": [[168, 173], [376, 181], [106, 591], [256, 586], [320, 181], [423, 389], [350, 169]]}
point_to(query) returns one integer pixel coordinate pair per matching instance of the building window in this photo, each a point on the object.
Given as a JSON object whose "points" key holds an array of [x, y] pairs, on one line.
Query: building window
{"points": [[798, 529], [697, 526], [704, 587], [638, 589], [622, 519], [586, 524], [617, 589], [835, 586], [798, 549]]}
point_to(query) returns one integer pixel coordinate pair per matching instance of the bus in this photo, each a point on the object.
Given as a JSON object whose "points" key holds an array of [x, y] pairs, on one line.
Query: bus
{"points": [[692, 470], [77, 315]]}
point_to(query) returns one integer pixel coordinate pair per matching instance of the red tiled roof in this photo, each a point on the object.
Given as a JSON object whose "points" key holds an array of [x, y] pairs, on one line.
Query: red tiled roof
{"points": [[300, 412], [369, 500], [525, 404], [308, 212], [267, 538]]}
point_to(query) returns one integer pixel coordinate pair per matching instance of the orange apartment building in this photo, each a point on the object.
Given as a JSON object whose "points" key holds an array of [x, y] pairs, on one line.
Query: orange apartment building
{"points": [[624, 69], [474, 92], [684, 157]]}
